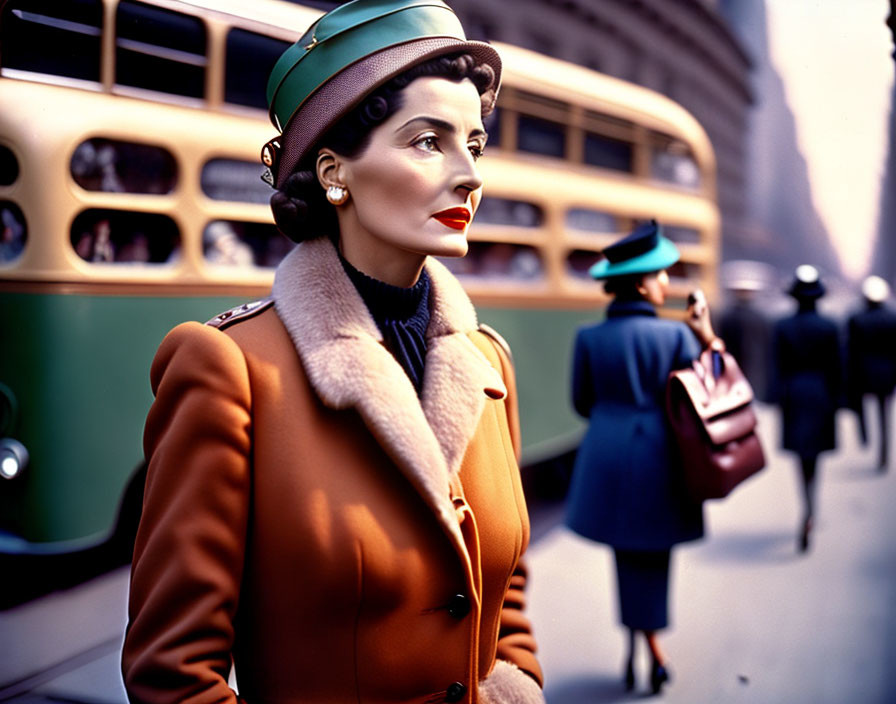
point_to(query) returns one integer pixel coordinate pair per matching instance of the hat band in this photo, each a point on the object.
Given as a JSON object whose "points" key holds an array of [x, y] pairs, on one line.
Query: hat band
{"points": [[317, 64]]}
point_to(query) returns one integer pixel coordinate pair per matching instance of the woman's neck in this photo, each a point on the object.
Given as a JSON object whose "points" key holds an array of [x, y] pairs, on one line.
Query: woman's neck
{"points": [[390, 265]]}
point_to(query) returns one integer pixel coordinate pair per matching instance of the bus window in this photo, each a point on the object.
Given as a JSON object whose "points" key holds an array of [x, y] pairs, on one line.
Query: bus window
{"points": [[539, 136], [119, 236], [608, 153], [232, 243], [235, 180], [498, 261], [250, 58], [57, 37], [14, 233], [586, 220], [671, 161], [503, 211], [682, 235], [580, 261], [684, 272], [9, 166], [160, 50], [123, 167]]}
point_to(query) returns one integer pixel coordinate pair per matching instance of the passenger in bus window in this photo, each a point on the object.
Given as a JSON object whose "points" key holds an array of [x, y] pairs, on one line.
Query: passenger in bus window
{"points": [[625, 491], [12, 235], [223, 246], [333, 502]]}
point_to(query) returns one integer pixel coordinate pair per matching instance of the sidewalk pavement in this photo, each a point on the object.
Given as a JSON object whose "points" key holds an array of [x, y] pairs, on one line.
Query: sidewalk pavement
{"points": [[753, 621]]}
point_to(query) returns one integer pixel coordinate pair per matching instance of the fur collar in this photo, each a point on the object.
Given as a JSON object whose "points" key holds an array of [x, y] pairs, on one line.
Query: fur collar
{"points": [[341, 350]]}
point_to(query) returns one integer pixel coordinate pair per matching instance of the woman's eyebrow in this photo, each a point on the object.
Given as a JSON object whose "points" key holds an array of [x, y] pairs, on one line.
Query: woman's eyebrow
{"points": [[442, 125]]}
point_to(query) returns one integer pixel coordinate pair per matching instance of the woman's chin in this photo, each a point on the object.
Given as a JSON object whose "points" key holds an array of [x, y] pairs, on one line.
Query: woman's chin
{"points": [[452, 245]]}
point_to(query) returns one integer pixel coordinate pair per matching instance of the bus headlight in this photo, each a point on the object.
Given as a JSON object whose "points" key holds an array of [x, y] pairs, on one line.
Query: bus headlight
{"points": [[13, 458]]}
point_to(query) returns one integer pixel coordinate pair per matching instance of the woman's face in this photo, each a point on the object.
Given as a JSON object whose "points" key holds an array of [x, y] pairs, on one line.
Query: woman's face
{"points": [[415, 188], [654, 287]]}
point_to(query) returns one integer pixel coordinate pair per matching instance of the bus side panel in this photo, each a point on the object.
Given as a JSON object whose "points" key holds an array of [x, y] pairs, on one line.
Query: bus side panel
{"points": [[78, 366]]}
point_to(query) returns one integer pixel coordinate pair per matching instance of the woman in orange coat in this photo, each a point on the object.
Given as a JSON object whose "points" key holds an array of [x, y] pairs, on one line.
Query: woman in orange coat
{"points": [[333, 502]]}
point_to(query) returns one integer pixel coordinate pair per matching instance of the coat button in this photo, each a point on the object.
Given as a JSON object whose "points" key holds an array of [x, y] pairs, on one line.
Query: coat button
{"points": [[459, 606], [455, 692]]}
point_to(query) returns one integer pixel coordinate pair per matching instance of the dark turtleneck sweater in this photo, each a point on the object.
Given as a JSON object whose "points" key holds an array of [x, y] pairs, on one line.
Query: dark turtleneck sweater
{"points": [[401, 314]]}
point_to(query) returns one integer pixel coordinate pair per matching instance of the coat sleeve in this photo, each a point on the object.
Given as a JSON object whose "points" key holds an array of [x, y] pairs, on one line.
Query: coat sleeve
{"points": [[517, 668], [189, 552]]}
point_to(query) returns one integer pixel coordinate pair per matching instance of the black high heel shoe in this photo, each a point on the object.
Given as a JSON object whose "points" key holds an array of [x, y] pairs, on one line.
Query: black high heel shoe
{"points": [[805, 533], [630, 675], [659, 675]]}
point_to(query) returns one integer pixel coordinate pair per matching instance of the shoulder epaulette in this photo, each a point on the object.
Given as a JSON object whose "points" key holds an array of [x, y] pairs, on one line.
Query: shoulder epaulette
{"points": [[492, 333], [240, 313]]}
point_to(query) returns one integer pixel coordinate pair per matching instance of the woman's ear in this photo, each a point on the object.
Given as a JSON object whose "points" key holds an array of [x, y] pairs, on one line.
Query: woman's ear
{"points": [[329, 169], [641, 288]]}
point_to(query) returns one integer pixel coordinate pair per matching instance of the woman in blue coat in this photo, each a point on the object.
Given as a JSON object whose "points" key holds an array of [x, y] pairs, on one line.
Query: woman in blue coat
{"points": [[626, 489], [807, 384]]}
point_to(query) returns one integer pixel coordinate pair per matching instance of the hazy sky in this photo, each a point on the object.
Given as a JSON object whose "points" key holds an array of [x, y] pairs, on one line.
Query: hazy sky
{"points": [[834, 59]]}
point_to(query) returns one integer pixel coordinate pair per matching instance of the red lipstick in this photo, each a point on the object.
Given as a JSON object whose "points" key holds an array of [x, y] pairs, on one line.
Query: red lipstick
{"points": [[455, 218]]}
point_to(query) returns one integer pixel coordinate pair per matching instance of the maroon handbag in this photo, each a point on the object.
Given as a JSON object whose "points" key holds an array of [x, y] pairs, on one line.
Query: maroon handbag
{"points": [[710, 408]]}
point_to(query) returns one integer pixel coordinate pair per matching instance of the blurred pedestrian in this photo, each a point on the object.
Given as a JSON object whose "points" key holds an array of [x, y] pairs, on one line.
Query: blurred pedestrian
{"points": [[627, 490], [807, 385], [333, 502], [871, 359], [747, 332]]}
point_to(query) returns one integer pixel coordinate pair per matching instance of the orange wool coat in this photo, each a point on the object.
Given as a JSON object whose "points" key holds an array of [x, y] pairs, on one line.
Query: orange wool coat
{"points": [[309, 517]]}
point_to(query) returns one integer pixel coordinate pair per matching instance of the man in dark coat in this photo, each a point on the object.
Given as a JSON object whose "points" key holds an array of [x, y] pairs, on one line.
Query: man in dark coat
{"points": [[807, 383], [871, 357]]}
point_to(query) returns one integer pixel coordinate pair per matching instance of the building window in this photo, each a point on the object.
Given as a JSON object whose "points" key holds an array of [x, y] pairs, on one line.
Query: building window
{"points": [[113, 166], [58, 37], [160, 50], [250, 59]]}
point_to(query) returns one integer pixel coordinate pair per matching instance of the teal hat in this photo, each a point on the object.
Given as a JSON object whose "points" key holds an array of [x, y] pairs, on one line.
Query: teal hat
{"points": [[643, 251], [348, 53]]}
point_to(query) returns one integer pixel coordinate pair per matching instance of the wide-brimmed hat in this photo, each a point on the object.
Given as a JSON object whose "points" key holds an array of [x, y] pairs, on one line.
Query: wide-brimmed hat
{"points": [[346, 55], [806, 283], [643, 251]]}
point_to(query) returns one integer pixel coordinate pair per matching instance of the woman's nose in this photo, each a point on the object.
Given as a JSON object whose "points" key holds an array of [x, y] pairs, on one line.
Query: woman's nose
{"points": [[467, 177]]}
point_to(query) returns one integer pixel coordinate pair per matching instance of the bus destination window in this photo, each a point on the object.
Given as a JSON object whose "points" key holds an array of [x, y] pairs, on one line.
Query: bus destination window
{"points": [[103, 236], [235, 180], [114, 166], [250, 58], [55, 37], [13, 232], [231, 243], [160, 50], [671, 161]]}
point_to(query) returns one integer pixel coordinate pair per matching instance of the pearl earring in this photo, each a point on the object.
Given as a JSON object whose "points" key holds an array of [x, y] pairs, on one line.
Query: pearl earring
{"points": [[337, 195]]}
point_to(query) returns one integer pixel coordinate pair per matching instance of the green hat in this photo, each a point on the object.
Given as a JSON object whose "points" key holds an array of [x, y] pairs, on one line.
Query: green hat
{"points": [[643, 251], [347, 54]]}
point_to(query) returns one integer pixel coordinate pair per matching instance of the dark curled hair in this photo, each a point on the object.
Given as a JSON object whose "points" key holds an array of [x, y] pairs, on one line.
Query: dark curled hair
{"points": [[625, 287], [301, 209]]}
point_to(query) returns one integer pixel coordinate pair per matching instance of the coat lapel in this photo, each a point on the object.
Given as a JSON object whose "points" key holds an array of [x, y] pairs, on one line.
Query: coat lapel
{"points": [[342, 353]]}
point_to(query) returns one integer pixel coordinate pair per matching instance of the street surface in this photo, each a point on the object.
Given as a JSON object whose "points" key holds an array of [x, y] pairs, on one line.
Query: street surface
{"points": [[753, 621]]}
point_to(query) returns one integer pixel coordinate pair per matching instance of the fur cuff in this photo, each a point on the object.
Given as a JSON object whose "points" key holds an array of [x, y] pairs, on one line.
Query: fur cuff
{"points": [[507, 684]]}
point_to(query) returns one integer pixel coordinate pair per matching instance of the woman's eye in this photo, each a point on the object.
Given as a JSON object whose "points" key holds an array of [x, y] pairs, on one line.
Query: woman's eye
{"points": [[477, 150], [427, 143]]}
